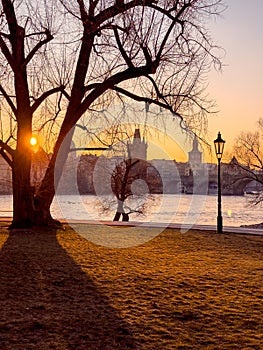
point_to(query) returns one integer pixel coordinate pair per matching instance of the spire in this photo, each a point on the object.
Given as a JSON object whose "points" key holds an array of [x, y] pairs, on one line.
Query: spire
{"points": [[137, 134], [195, 156], [138, 148], [195, 144]]}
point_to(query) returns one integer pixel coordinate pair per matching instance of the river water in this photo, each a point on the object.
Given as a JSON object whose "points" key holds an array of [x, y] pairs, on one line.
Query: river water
{"points": [[182, 209]]}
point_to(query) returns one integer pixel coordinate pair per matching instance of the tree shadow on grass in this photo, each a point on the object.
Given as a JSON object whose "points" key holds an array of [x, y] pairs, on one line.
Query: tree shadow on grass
{"points": [[48, 302]]}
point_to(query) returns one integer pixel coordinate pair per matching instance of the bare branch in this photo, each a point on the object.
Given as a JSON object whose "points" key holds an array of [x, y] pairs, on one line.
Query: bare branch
{"points": [[83, 12], [7, 53], [5, 157], [8, 99], [168, 33], [7, 148], [10, 16], [7, 36], [121, 48], [31, 54], [45, 95], [110, 83], [146, 100], [92, 86]]}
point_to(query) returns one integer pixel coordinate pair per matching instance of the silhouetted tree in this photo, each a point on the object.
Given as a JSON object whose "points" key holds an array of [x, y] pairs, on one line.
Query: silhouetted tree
{"points": [[248, 151], [60, 59], [124, 179]]}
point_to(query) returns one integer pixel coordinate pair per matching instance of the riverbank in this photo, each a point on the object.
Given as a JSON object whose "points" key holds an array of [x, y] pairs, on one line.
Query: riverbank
{"points": [[185, 209], [193, 290]]}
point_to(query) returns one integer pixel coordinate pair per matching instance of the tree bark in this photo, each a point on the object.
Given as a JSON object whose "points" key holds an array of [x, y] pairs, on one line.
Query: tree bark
{"points": [[22, 191], [117, 216], [125, 217], [45, 194], [119, 211]]}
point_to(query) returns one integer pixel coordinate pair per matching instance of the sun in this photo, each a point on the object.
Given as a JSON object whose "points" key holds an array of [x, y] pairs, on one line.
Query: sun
{"points": [[33, 141]]}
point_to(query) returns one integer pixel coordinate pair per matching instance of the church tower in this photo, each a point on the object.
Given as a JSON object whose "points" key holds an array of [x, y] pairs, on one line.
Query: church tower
{"points": [[195, 156], [138, 148]]}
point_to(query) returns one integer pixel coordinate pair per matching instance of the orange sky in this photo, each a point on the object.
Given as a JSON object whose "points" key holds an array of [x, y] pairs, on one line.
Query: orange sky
{"points": [[238, 91]]}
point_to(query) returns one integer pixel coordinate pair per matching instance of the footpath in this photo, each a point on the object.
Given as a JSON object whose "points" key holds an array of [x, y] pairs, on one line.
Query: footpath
{"points": [[183, 227]]}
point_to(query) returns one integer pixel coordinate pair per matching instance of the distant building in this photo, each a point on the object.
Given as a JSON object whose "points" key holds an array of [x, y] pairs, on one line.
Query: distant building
{"points": [[92, 174], [6, 177], [138, 148], [169, 175], [85, 172], [195, 156]]}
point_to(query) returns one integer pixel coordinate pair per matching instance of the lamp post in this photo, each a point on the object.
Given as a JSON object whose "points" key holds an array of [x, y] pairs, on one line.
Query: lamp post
{"points": [[219, 149]]}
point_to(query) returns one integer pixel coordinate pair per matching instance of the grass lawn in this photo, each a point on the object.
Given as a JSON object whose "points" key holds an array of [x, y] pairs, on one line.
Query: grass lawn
{"points": [[194, 290]]}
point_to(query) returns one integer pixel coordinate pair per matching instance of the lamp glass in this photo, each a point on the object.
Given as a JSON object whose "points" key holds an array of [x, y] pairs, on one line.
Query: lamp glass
{"points": [[219, 146]]}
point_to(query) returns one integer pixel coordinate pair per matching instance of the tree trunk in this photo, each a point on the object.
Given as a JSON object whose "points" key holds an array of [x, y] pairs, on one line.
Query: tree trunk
{"points": [[117, 216], [125, 217], [119, 211], [31, 208], [46, 192], [43, 199], [22, 191]]}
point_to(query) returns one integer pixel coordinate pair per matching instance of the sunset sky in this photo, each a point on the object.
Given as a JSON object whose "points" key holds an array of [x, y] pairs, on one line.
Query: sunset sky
{"points": [[238, 91]]}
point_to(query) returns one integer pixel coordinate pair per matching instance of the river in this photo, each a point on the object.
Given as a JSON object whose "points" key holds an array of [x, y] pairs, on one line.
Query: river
{"points": [[183, 209]]}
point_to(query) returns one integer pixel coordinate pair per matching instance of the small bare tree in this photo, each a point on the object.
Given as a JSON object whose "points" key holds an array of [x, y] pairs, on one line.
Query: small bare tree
{"points": [[130, 189], [122, 179]]}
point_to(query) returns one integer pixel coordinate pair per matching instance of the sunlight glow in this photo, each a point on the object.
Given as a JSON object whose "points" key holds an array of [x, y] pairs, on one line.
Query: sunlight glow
{"points": [[33, 141]]}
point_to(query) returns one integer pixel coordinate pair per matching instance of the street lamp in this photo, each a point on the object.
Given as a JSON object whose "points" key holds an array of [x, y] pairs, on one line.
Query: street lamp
{"points": [[219, 149]]}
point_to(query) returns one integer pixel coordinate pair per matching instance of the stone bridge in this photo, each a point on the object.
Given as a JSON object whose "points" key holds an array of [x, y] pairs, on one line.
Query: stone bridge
{"points": [[230, 186]]}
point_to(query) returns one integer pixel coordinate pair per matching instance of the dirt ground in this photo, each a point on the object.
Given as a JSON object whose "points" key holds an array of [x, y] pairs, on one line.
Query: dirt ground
{"points": [[194, 290]]}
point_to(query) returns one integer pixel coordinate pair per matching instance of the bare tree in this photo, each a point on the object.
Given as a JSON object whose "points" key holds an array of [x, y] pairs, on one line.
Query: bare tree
{"points": [[59, 60], [122, 178], [248, 151], [131, 190], [249, 148]]}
